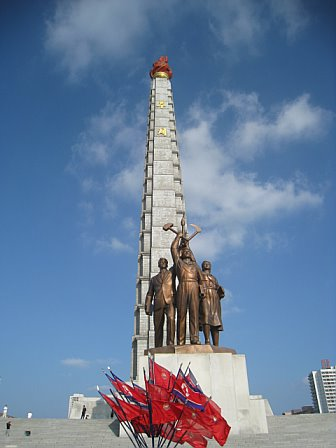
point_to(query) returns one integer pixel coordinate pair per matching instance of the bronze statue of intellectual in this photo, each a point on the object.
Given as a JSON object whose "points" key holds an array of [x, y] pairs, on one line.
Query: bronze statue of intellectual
{"points": [[210, 307], [188, 291], [162, 290]]}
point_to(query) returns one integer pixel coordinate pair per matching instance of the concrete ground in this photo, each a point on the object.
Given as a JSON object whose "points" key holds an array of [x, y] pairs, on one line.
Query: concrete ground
{"points": [[295, 431]]}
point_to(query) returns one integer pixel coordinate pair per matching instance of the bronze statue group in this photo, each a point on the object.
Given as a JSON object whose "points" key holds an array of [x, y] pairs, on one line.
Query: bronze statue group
{"points": [[198, 293], [173, 408]]}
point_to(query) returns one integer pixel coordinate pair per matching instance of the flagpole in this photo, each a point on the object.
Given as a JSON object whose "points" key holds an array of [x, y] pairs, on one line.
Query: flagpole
{"points": [[185, 373], [120, 421], [178, 372], [174, 430], [150, 410], [136, 435], [139, 435]]}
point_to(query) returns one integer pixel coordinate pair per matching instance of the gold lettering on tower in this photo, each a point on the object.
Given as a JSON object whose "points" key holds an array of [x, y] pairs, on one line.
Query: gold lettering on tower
{"points": [[162, 131], [161, 104]]}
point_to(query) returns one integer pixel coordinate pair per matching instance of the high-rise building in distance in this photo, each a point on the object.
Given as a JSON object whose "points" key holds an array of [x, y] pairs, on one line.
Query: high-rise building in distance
{"points": [[323, 388]]}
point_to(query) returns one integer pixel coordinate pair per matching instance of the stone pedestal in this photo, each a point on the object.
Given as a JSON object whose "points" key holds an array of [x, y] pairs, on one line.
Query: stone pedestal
{"points": [[222, 375]]}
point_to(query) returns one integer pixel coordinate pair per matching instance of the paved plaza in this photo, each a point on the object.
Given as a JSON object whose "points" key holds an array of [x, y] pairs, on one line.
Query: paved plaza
{"points": [[299, 431]]}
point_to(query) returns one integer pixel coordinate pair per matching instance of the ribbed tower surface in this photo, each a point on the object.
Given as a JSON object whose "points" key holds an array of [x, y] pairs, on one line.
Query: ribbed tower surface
{"points": [[162, 202]]}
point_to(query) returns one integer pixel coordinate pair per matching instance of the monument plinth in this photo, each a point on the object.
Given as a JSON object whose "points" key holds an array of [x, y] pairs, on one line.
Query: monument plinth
{"points": [[188, 349], [222, 375]]}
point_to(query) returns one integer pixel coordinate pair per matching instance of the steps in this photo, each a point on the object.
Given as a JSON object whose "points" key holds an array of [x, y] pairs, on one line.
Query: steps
{"points": [[295, 431]]}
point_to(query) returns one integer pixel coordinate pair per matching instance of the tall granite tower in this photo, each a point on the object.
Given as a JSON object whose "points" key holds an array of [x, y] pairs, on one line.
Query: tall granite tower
{"points": [[162, 200]]}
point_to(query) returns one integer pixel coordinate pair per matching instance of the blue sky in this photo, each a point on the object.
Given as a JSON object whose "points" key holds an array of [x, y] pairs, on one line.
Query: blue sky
{"points": [[254, 91]]}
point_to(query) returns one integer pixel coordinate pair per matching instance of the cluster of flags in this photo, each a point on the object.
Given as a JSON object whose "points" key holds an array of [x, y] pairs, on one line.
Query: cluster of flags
{"points": [[170, 409]]}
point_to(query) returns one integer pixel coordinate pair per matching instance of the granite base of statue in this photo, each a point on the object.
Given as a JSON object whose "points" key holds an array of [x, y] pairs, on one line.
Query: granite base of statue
{"points": [[222, 374]]}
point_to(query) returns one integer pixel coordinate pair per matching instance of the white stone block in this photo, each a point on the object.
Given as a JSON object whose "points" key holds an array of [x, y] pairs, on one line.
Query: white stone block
{"points": [[163, 154], [222, 376], [163, 112], [162, 122], [164, 215], [147, 221], [163, 167], [163, 198], [162, 238], [162, 143], [179, 203], [178, 186], [149, 172], [148, 202], [177, 172], [144, 289], [161, 92], [163, 182]]}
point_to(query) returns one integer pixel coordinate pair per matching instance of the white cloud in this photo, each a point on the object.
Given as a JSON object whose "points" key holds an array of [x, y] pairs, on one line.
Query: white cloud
{"points": [[82, 363], [88, 184], [113, 244], [242, 24], [294, 120], [257, 129], [126, 181], [84, 32], [227, 201], [270, 240], [228, 305], [292, 14], [107, 133], [111, 137], [107, 161], [88, 211], [229, 204], [236, 23], [76, 362]]}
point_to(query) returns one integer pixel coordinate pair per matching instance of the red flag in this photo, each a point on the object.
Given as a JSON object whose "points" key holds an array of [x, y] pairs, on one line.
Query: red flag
{"points": [[220, 429], [124, 411], [187, 395], [169, 432], [210, 420], [195, 440], [216, 423], [165, 411], [110, 402], [193, 419], [158, 393], [215, 409], [131, 410], [141, 424], [137, 395], [191, 379], [160, 376]]}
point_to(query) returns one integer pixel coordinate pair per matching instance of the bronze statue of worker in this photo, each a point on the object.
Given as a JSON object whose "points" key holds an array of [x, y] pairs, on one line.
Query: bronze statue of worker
{"points": [[188, 291], [210, 306], [162, 290]]}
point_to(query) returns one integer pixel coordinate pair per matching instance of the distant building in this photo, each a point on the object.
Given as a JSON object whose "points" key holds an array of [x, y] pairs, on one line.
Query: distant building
{"points": [[303, 410], [323, 388], [96, 407]]}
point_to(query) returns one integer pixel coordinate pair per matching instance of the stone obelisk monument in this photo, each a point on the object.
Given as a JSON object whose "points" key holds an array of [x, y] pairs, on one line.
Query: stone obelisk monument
{"points": [[220, 370], [162, 201]]}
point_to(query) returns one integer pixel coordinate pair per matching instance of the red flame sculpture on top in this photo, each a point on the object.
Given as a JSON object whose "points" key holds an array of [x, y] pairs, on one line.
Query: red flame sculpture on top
{"points": [[161, 69]]}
